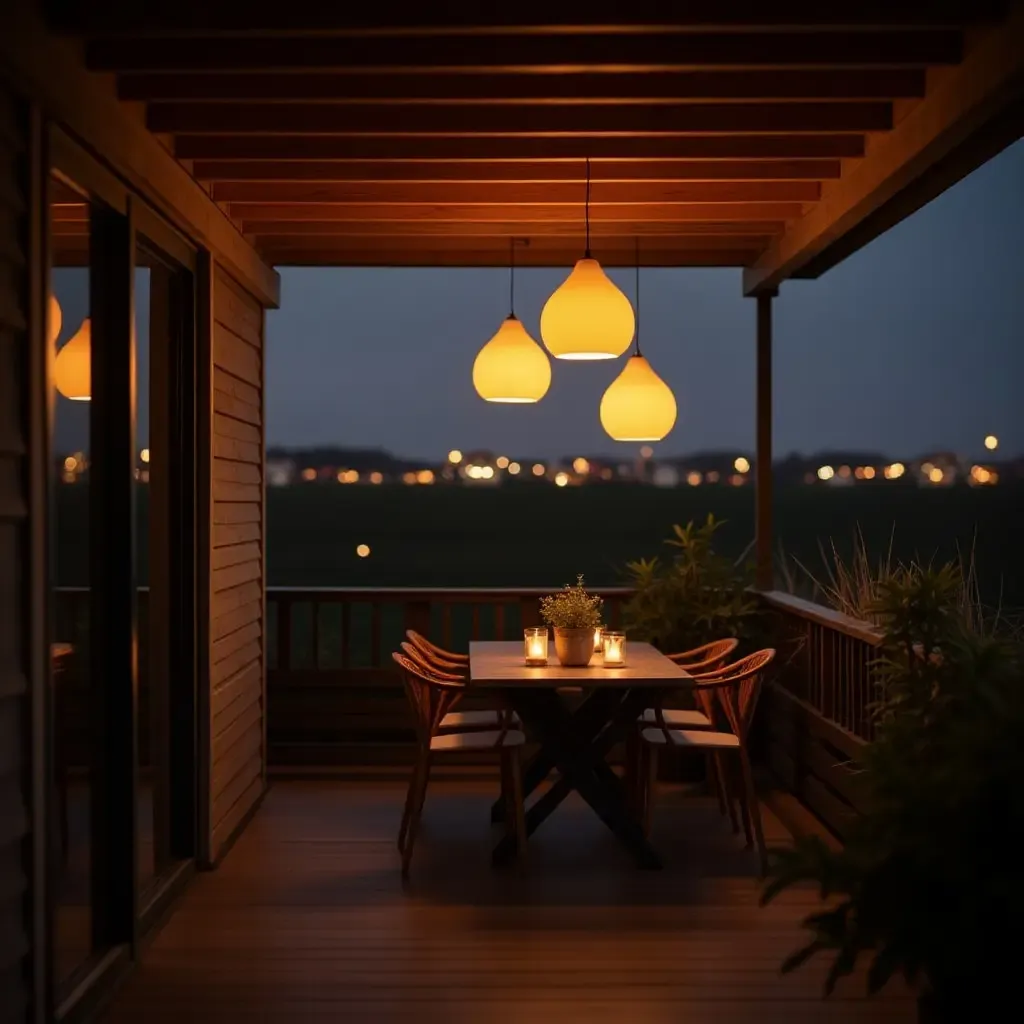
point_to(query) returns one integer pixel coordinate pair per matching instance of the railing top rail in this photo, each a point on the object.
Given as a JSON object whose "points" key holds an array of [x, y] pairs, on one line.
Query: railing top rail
{"points": [[440, 592], [827, 617]]}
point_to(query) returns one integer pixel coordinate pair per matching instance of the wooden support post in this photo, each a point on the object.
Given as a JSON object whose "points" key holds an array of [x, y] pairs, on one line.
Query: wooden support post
{"points": [[764, 574]]}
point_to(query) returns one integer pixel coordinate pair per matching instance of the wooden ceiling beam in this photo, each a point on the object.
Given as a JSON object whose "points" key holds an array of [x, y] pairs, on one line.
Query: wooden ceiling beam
{"points": [[189, 17], [662, 47], [815, 84], [564, 118], [250, 213], [442, 194], [780, 146], [970, 113], [735, 234], [519, 171]]}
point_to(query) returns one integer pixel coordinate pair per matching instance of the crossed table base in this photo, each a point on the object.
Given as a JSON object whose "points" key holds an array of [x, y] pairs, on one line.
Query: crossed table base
{"points": [[576, 745]]}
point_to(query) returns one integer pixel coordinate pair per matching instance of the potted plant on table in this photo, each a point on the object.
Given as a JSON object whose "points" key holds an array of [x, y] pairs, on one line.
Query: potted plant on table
{"points": [[929, 882], [573, 614]]}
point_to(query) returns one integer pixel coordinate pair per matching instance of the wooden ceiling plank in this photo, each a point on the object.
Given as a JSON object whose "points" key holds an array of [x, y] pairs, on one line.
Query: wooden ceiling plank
{"points": [[539, 243], [660, 48], [948, 126], [189, 17], [522, 171], [815, 84], [513, 228], [524, 147], [511, 193], [250, 213], [344, 119]]}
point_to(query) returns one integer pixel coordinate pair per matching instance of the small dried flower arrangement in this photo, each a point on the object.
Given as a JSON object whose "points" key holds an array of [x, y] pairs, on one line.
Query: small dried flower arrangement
{"points": [[571, 608]]}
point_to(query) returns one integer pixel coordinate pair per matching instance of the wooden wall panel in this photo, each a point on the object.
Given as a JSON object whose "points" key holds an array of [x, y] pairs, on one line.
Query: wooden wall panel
{"points": [[237, 633], [14, 650]]}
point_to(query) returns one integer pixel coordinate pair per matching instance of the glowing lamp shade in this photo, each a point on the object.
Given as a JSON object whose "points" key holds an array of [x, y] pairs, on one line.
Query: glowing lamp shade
{"points": [[587, 317], [71, 368], [511, 367], [638, 405], [56, 320]]}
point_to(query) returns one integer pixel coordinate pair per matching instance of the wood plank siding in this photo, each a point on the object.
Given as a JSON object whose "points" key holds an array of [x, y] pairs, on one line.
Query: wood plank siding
{"points": [[237, 631], [14, 559]]}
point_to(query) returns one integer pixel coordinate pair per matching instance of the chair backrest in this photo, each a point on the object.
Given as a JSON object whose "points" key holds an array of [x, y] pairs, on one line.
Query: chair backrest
{"points": [[707, 656], [431, 697], [418, 658], [437, 655], [738, 687]]}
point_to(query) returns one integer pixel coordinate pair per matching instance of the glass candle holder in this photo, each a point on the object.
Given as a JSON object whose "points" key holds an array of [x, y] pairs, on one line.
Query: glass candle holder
{"points": [[614, 649], [598, 643], [535, 645]]}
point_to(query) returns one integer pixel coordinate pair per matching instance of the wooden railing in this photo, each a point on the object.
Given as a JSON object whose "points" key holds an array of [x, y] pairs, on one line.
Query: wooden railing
{"points": [[818, 709], [334, 697]]}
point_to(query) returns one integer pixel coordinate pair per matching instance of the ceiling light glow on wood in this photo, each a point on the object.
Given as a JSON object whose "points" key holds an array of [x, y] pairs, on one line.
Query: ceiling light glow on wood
{"points": [[587, 316], [72, 370], [638, 405], [512, 368]]}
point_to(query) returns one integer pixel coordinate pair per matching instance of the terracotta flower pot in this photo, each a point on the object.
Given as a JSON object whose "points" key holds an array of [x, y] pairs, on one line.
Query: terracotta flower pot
{"points": [[574, 647]]}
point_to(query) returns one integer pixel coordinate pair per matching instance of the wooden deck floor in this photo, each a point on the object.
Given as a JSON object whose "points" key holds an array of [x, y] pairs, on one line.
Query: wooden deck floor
{"points": [[307, 920]]}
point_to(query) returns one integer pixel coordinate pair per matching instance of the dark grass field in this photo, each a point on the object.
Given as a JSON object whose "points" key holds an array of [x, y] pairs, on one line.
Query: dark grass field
{"points": [[531, 535]]}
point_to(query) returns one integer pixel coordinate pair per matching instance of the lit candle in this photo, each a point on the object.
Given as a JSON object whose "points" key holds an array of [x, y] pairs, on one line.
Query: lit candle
{"points": [[598, 632], [535, 642], [614, 649]]}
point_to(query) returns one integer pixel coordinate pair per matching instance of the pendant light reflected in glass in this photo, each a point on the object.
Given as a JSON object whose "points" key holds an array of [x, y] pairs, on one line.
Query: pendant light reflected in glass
{"points": [[55, 320], [587, 316], [512, 367], [638, 405], [72, 370]]}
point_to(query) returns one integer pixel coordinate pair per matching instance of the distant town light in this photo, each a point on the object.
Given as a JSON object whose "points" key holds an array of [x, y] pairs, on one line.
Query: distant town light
{"points": [[693, 478], [342, 476], [502, 462], [712, 477], [926, 468], [309, 474], [737, 480], [538, 469], [991, 442], [514, 468], [363, 550], [70, 463], [895, 471], [376, 477], [646, 452], [425, 476], [409, 478], [455, 456], [486, 472], [561, 479], [869, 472], [826, 472], [741, 465], [581, 465], [474, 472], [606, 474], [845, 472], [935, 475], [144, 455]]}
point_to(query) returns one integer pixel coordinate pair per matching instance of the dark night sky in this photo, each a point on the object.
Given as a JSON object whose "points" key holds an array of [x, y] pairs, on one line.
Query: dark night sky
{"points": [[914, 343]]}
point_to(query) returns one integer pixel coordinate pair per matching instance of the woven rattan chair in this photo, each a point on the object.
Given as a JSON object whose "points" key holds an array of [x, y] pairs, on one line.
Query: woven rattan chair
{"points": [[736, 688], [432, 698], [438, 655]]}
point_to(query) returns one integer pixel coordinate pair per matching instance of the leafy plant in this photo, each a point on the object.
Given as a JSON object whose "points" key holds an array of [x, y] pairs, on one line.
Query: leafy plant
{"points": [[929, 880], [697, 596], [572, 608]]}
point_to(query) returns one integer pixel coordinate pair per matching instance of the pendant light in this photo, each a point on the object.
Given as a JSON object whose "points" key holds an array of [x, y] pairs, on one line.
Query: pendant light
{"points": [[72, 372], [511, 367], [587, 317], [638, 405]]}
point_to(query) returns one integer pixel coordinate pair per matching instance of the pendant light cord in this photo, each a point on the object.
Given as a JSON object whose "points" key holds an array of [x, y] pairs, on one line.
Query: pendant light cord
{"points": [[586, 210], [511, 277], [638, 296]]}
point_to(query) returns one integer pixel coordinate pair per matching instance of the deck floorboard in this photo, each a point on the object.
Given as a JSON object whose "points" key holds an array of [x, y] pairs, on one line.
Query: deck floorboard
{"points": [[308, 920]]}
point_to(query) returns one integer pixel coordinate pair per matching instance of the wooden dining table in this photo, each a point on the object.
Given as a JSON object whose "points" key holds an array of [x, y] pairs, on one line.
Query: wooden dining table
{"points": [[577, 736]]}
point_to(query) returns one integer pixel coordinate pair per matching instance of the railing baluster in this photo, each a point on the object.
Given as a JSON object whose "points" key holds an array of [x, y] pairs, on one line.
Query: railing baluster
{"points": [[346, 633], [375, 617], [475, 634], [446, 624], [499, 621], [314, 629], [284, 634]]}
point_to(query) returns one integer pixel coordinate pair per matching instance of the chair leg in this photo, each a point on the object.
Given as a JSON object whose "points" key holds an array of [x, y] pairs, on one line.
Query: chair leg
{"points": [[410, 798], [726, 789], [744, 801], [651, 783], [632, 770], [715, 780], [515, 771], [423, 776], [754, 810]]}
